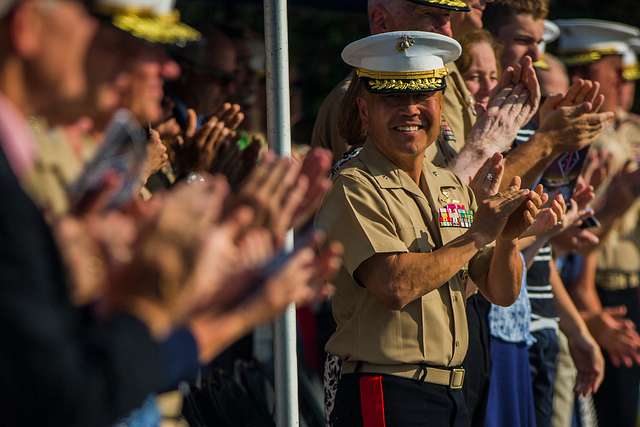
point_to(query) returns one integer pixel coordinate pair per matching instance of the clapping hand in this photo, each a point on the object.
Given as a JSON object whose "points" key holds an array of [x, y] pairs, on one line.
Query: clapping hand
{"points": [[177, 265], [304, 279], [558, 218], [525, 216], [617, 335], [235, 163], [285, 193], [195, 149], [513, 104], [486, 182], [573, 120], [505, 215], [568, 236], [550, 219], [157, 155]]}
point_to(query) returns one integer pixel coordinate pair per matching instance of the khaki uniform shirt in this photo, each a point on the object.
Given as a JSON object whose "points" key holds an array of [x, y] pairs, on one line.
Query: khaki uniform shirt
{"points": [[459, 112], [56, 167], [629, 129], [373, 208], [620, 250]]}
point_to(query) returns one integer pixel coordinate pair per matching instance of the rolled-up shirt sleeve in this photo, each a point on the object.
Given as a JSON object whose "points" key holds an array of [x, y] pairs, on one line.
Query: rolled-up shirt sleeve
{"points": [[355, 214]]}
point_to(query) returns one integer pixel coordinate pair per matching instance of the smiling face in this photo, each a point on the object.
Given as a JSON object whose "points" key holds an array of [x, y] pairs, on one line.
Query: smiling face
{"points": [[401, 126], [482, 75], [522, 36]]}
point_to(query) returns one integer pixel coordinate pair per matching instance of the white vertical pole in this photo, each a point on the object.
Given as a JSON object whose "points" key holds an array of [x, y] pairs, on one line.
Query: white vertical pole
{"points": [[279, 134]]}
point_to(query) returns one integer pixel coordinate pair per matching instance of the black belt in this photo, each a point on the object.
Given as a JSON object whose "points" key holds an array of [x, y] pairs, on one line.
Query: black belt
{"points": [[617, 280]]}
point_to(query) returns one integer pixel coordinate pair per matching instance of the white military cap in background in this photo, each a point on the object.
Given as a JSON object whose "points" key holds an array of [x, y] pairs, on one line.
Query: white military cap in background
{"points": [[551, 34], [402, 61], [584, 41]]}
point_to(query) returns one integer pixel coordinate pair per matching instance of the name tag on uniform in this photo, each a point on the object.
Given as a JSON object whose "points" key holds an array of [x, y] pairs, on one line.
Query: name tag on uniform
{"points": [[455, 215]]}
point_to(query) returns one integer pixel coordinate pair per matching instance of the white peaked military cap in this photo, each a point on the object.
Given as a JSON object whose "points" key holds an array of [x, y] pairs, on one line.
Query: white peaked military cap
{"points": [[156, 21], [551, 34], [402, 61], [631, 67], [584, 41]]}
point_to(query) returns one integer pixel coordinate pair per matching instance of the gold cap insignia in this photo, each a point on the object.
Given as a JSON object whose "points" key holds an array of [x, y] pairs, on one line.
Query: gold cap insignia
{"points": [[405, 43]]}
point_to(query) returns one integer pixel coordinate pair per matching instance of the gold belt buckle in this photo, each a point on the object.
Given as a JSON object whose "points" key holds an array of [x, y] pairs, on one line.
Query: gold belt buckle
{"points": [[457, 379], [634, 280]]}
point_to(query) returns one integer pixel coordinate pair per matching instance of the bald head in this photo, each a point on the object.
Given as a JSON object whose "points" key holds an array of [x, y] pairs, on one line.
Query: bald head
{"points": [[404, 15]]}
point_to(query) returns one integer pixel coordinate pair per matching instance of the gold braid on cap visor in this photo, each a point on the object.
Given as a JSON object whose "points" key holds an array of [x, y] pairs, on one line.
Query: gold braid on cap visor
{"points": [[456, 5], [408, 82], [542, 64], [631, 73], [147, 25], [584, 58]]}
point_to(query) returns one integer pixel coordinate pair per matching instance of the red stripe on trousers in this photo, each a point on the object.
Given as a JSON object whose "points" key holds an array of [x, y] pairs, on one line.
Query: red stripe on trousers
{"points": [[372, 402]]}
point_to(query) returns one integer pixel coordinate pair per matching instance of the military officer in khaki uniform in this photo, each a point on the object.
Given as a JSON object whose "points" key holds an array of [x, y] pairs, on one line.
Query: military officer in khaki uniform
{"points": [[412, 233], [459, 111]]}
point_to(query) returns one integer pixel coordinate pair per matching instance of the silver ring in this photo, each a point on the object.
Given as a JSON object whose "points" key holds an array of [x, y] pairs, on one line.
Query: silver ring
{"points": [[194, 177], [490, 177]]}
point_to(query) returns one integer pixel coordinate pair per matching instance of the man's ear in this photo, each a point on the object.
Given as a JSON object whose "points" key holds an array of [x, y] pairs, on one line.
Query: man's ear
{"points": [[25, 26], [380, 20], [363, 109]]}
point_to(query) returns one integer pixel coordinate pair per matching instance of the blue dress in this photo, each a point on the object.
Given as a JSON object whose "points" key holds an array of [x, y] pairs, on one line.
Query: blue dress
{"points": [[510, 402]]}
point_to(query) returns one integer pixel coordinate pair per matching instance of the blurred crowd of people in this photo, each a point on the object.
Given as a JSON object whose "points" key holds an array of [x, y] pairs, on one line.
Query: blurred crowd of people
{"points": [[466, 209]]}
